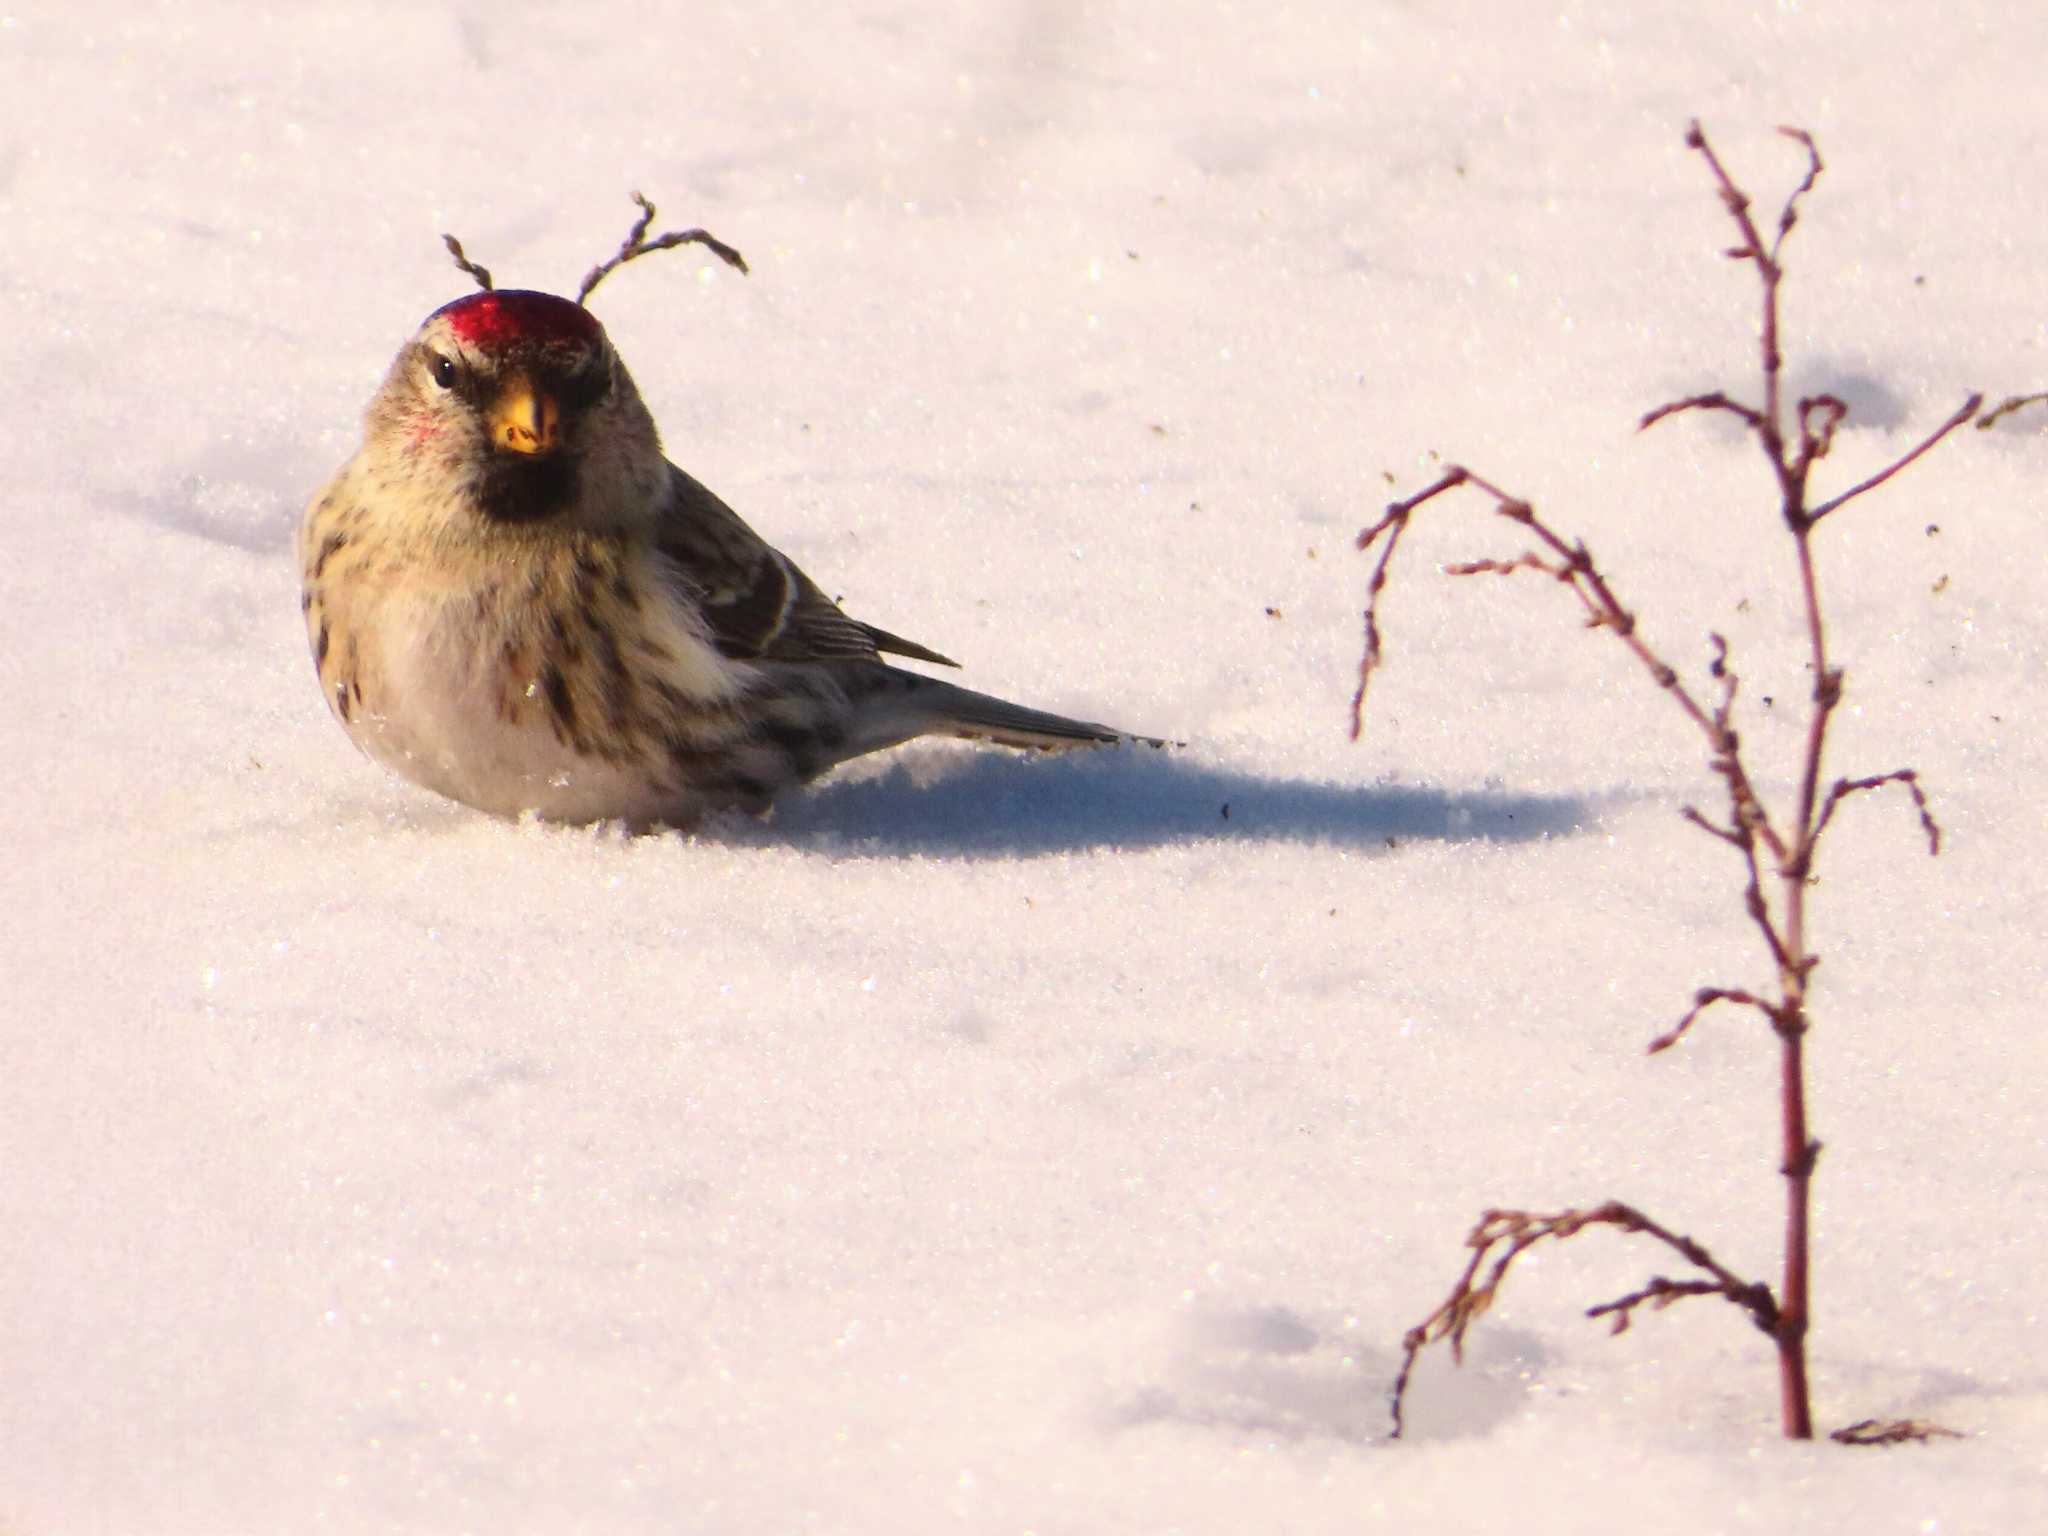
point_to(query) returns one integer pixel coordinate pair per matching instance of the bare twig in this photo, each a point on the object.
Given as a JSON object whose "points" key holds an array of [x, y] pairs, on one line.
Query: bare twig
{"points": [[2006, 407], [1790, 214], [1729, 679], [1392, 524], [1704, 999], [1769, 429], [1500, 1237], [1748, 823], [1962, 414], [1576, 568], [1527, 560], [1749, 416], [1819, 415], [1843, 788], [1727, 835], [1758, 909], [480, 273], [1659, 1293], [636, 244]]}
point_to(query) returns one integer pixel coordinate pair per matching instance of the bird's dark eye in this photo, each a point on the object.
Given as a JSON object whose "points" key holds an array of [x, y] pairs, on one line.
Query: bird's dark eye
{"points": [[444, 370], [588, 384]]}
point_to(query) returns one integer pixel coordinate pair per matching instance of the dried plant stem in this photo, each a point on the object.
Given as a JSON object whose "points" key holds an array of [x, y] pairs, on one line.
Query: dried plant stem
{"points": [[2006, 407], [478, 272], [636, 244], [1501, 1237], [1777, 851]]}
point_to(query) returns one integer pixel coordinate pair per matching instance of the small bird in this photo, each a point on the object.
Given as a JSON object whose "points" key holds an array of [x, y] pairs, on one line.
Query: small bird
{"points": [[515, 600]]}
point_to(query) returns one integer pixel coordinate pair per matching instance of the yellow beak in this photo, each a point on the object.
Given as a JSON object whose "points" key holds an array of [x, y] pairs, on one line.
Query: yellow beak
{"points": [[525, 419]]}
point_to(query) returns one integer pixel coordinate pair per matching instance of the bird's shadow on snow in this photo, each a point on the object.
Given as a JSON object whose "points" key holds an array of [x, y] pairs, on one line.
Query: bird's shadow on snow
{"points": [[948, 801], [1277, 1374]]}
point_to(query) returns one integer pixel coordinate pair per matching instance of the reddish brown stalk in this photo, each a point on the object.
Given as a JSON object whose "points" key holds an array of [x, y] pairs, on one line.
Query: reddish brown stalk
{"points": [[1499, 1238], [1777, 852]]}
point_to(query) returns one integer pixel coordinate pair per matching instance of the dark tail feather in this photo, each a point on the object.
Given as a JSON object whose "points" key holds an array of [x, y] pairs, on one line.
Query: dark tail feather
{"points": [[981, 717], [910, 704]]}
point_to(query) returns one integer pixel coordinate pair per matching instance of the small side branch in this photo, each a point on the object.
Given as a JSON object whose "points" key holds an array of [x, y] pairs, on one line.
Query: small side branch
{"points": [[1844, 788], [1500, 1237], [1572, 564], [1759, 912], [1749, 416], [1768, 426], [2006, 407], [1704, 999], [1734, 199], [1961, 414], [1387, 534], [1819, 415], [1527, 560], [1728, 835], [1790, 213], [636, 244], [1658, 1294]]}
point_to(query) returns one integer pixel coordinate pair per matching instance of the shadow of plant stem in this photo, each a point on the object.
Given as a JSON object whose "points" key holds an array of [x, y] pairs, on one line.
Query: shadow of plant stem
{"points": [[1776, 846]]}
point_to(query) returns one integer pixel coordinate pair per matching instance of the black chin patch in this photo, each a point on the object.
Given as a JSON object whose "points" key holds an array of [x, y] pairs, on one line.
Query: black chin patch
{"points": [[518, 488]]}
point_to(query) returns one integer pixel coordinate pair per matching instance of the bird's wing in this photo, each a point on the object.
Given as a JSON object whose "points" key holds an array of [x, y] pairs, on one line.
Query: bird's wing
{"points": [[758, 605]]}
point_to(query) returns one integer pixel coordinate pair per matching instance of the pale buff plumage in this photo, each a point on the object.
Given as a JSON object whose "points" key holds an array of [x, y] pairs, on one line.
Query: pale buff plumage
{"points": [[514, 599]]}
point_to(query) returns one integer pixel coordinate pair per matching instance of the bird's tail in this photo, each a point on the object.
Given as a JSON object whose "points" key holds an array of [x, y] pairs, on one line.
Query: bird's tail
{"points": [[900, 705]]}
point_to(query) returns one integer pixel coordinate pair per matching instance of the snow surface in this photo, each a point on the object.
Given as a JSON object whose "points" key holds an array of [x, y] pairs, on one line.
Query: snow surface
{"points": [[985, 1143]]}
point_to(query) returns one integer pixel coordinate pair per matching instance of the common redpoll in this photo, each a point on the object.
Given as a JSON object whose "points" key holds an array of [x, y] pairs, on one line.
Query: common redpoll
{"points": [[515, 600]]}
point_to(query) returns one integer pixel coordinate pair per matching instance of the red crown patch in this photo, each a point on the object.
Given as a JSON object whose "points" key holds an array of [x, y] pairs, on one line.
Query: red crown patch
{"points": [[508, 315]]}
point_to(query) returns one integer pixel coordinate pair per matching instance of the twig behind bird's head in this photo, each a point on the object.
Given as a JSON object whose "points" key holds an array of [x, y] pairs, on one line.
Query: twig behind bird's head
{"points": [[482, 274], [635, 244]]}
